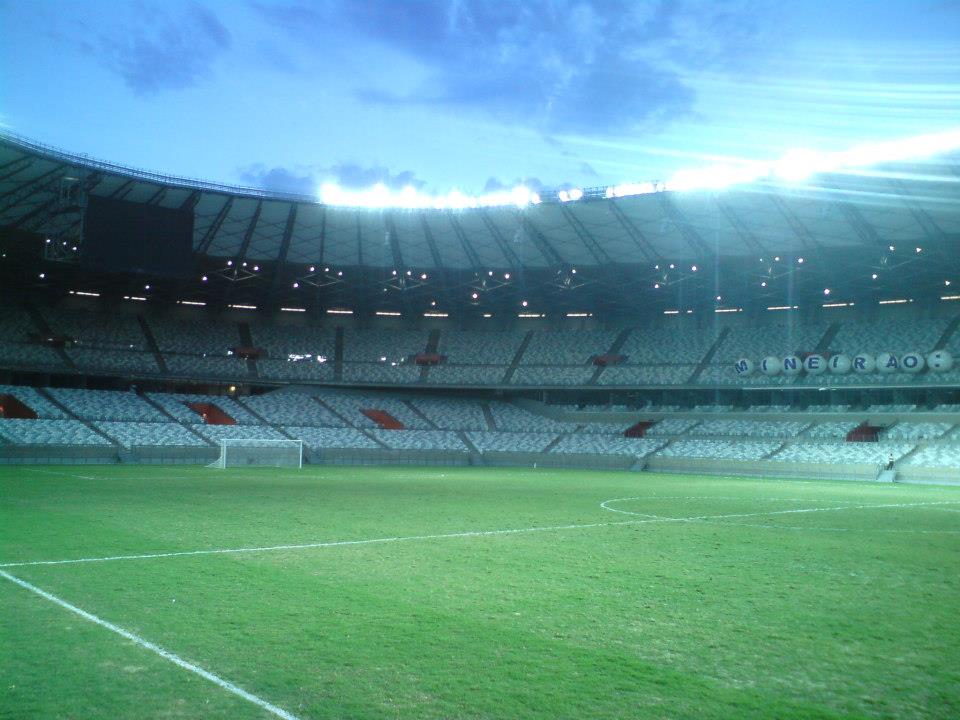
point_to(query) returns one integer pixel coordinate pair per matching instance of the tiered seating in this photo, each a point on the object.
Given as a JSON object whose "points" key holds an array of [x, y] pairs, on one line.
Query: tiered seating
{"points": [[318, 438], [382, 345], [851, 452], [603, 428], [770, 408], [216, 433], [713, 408], [199, 347], [542, 375], [453, 414], [106, 405], [942, 455], [750, 428], [16, 350], [572, 347], [311, 369], [131, 434], [511, 418], [49, 432], [281, 408], [282, 341], [467, 374], [647, 374], [103, 342], [672, 426], [511, 441], [350, 406], [892, 408], [720, 449], [831, 430], [479, 348], [916, 430], [606, 445], [828, 408], [948, 407], [419, 439], [381, 372], [176, 405], [757, 341], [34, 400]]}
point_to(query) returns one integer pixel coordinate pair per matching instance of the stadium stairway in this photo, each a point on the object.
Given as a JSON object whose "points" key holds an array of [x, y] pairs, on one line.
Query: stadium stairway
{"points": [[338, 355], [553, 443], [44, 329], [824, 344], [488, 416], [347, 422], [517, 357], [433, 343], [152, 344], [465, 439], [708, 357], [246, 340], [262, 420], [163, 411], [419, 413], [614, 349], [73, 416]]}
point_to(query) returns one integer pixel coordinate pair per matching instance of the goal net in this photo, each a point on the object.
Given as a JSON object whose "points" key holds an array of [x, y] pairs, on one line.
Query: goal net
{"points": [[251, 453]]}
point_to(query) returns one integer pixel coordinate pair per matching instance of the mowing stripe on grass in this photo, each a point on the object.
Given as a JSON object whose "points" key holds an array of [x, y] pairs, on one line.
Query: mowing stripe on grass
{"points": [[165, 654], [471, 533]]}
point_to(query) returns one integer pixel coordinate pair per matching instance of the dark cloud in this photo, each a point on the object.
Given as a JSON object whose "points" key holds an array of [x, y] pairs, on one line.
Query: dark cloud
{"points": [[161, 48], [306, 181], [495, 184], [278, 179], [553, 65]]}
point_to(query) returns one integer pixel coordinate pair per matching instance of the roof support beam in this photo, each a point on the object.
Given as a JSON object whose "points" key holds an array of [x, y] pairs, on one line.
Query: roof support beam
{"points": [[545, 247], [864, 230], [248, 235], [801, 231], [15, 166], [322, 247], [285, 244], [733, 217], [638, 238], [930, 227], [191, 202], [589, 241], [215, 226], [391, 230], [431, 241], [509, 255], [22, 192], [464, 241], [687, 232], [157, 196], [122, 191]]}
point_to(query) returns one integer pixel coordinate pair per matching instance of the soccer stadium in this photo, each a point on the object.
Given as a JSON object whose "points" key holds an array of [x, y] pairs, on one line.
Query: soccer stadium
{"points": [[651, 449]]}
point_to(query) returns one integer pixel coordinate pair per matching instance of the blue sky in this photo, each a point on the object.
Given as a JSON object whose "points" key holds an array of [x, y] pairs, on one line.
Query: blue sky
{"points": [[470, 94]]}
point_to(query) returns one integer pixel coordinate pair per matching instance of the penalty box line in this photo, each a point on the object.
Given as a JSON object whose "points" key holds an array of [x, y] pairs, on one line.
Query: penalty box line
{"points": [[467, 534], [154, 648]]}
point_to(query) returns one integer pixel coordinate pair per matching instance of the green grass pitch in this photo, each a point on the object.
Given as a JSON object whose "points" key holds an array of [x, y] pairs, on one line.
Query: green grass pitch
{"points": [[608, 595]]}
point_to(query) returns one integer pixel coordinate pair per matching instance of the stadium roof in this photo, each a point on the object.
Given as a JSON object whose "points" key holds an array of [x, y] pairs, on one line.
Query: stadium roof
{"points": [[755, 242]]}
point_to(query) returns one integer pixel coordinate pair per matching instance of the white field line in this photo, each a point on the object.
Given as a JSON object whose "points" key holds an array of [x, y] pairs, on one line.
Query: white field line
{"points": [[333, 543], [61, 474], [468, 534], [165, 654]]}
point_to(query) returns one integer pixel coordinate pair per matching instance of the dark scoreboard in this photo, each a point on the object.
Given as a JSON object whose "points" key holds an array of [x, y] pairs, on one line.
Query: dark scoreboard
{"points": [[129, 237]]}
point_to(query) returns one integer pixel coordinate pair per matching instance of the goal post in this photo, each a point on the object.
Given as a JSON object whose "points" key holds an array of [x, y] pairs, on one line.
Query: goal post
{"points": [[259, 453]]}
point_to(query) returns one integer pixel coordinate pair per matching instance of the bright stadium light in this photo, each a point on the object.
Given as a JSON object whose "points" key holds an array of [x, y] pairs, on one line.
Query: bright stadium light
{"points": [[380, 196]]}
